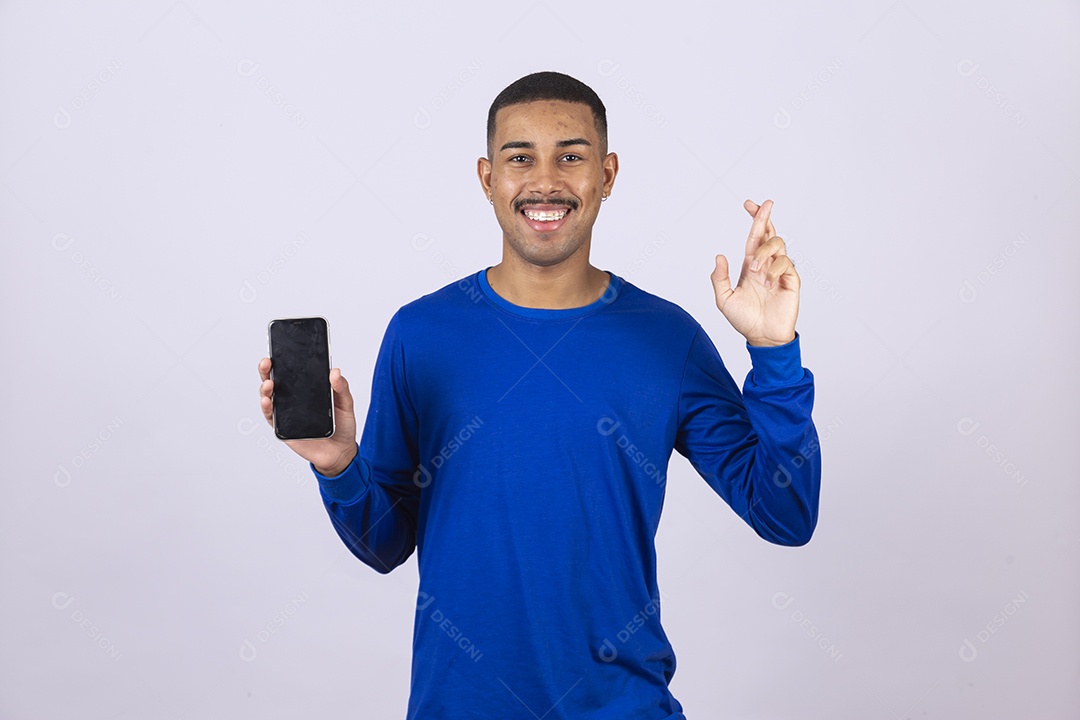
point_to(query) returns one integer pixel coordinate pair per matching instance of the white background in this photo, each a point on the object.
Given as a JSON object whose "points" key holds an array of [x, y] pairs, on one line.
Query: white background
{"points": [[174, 175]]}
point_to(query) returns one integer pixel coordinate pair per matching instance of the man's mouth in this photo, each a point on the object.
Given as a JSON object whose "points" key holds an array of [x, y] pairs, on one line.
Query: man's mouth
{"points": [[545, 218]]}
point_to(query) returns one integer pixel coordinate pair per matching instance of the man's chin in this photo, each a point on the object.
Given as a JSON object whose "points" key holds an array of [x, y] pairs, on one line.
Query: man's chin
{"points": [[543, 254]]}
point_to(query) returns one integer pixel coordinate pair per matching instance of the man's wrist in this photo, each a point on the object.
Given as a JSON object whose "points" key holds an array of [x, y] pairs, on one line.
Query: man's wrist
{"points": [[765, 342], [338, 467]]}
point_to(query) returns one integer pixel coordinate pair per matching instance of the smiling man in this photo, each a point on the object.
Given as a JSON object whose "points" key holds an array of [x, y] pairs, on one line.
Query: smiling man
{"points": [[520, 426], [546, 183]]}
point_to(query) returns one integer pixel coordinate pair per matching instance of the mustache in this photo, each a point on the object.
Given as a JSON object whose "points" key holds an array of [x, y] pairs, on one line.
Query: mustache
{"points": [[519, 205]]}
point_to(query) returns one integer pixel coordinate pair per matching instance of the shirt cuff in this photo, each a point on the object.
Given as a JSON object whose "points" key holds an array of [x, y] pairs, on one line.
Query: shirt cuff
{"points": [[348, 486], [776, 365]]}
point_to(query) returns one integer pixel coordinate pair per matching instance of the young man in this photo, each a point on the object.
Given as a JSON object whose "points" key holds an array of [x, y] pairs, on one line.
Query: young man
{"points": [[520, 425]]}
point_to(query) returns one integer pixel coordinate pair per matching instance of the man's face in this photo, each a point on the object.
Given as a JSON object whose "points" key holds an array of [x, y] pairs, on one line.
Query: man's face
{"points": [[546, 177]]}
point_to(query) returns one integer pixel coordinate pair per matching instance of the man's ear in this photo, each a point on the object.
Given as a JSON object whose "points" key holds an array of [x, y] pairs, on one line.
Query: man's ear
{"points": [[611, 169], [483, 171]]}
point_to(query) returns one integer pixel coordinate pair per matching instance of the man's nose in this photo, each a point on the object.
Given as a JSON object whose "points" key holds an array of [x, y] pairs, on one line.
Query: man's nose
{"points": [[545, 179]]}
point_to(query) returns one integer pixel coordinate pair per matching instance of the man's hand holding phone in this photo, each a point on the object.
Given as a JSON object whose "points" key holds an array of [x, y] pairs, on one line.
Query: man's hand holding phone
{"points": [[331, 455]]}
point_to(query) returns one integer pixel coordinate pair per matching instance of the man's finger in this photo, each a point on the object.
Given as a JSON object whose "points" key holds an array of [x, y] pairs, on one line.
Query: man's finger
{"points": [[266, 399], [264, 369], [267, 407], [772, 248], [752, 208], [759, 227], [782, 271]]}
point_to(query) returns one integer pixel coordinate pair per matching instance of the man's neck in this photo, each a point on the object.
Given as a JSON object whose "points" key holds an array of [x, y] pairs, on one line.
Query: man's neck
{"points": [[554, 288]]}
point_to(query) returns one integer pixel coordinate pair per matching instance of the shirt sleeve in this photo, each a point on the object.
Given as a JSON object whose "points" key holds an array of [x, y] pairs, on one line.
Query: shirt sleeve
{"points": [[759, 451], [373, 504]]}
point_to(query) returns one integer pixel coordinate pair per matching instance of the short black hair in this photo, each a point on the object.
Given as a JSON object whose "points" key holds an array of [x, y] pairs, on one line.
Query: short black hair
{"points": [[549, 85]]}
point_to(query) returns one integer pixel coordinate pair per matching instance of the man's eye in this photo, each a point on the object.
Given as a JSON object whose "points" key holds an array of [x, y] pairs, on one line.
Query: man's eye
{"points": [[516, 158], [571, 157]]}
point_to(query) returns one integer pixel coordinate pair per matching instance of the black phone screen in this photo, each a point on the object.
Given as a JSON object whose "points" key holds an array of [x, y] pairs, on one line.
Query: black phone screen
{"points": [[300, 369]]}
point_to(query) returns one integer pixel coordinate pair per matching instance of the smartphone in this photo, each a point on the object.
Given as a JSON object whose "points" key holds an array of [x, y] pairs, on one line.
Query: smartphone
{"points": [[300, 369]]}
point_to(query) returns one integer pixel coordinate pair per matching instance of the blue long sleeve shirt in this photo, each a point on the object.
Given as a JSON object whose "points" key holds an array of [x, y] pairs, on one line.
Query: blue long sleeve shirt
{"points": [[522, 453]]}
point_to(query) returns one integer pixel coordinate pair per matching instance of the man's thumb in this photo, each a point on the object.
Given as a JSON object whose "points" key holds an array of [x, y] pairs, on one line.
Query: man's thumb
{"points": [[720, 280], [341, 390]]}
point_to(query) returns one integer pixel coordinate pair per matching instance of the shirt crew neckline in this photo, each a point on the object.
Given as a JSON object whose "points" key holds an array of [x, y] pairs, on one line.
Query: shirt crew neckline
{"points": [[615, 284]]}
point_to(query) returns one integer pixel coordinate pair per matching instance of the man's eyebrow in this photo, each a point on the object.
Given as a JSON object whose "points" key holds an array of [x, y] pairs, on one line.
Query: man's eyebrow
{"points": [[526, 145], [523, 144]]}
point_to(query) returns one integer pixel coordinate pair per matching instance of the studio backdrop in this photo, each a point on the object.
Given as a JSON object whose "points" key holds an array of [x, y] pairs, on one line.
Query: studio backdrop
{"points": [[173, 175]]}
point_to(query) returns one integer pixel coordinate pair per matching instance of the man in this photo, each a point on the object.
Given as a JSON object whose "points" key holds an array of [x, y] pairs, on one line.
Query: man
{"points": [[520, 425]]}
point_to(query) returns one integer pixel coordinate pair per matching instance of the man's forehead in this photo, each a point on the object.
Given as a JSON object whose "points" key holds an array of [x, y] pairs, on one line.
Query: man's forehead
{"points": [[546, 116]]}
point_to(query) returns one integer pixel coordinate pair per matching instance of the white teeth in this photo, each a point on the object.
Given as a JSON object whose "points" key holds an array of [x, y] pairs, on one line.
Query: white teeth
{"points": [[545, 216]]}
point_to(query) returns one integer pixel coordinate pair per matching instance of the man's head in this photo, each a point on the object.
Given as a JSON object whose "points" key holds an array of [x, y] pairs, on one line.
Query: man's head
{"points": [[548, 168], [549, 86]]}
